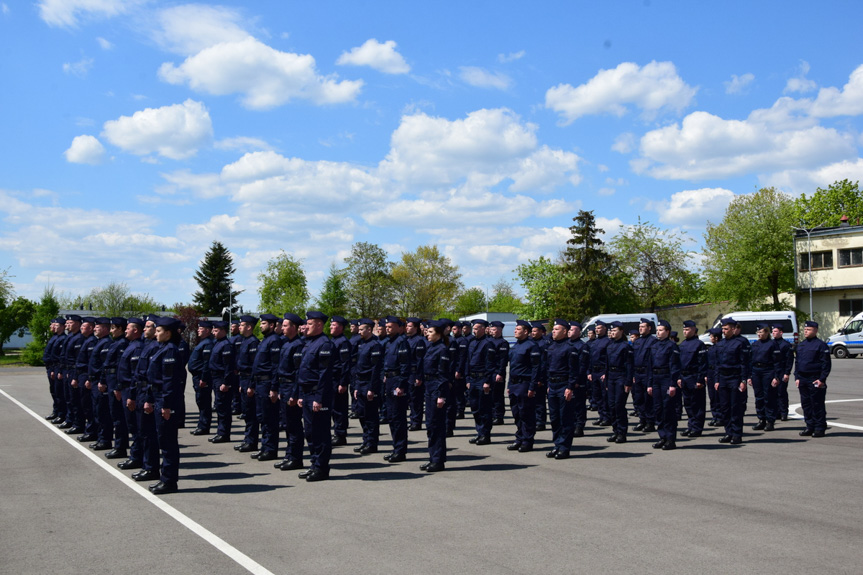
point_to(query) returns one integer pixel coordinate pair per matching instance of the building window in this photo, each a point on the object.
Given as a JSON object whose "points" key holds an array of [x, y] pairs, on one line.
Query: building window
{"points": [[820, 261], [851, 257], [850, 307]]}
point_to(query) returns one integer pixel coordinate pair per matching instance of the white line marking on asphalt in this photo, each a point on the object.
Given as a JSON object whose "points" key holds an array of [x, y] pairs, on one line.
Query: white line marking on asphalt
{"points": [[238, 556], [792, 412]]}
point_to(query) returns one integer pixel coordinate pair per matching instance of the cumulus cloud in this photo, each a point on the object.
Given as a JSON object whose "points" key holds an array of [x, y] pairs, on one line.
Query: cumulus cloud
{"points": [[382, 57], [806, 181], [624, 143], [174, 132], [187, 29], [242, 143], [833, 102], [652, 88], [800, 83], [85, 150], [264, 77], [692, 208], [68, 13], [739, 84], [482, 78], [545, 170]]}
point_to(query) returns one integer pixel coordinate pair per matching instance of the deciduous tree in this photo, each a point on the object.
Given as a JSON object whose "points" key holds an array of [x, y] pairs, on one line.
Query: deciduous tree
{"points": [[283, 286], [427, 282]]}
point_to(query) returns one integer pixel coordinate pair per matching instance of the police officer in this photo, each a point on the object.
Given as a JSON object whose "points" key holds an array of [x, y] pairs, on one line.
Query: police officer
{"points": [[764, 380], [595, 359], [618, 380], [315, 377], [459, 335], [71, 347], [236, 340], [223, 380], [538, 333], [145, 422], [354, 340], [524, 374], [342, 363], [367, 386], [498, 392], [563, 377], [290, 357], [810, 377], [416, 390], [641, 401], [579, 389], [101, 414], [693, 372], [436, 372], [453, 353], [128, 393], [82, 362], [245, 359], [733, 367], [199, 367], [786, 365], [109, 386], [481, 366], [266, 387], [663, 374], [58, 334], [397, 371], [712, 376]]}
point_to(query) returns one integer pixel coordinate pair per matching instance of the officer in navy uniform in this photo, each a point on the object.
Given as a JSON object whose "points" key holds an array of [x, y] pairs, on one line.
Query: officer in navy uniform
{"points": [[223, 374], [237, 393], [693, 372], [416, 387], [436, 372], [165, 369], [786, 363], [397, 372], [82, 362], [199, 367], [764, 381], [245, 358], [618, 380], [481, 366], [57, 331], [733, 368], [266, 387], [663, 373], [538, 333], [459, 334], [563, 377], [354, 339], [453, 349], [641, 401], [71, 346], [498, 392], [712, 377], [145, 422], [290, 357], [810, 377], [110, 387], [580, 388], [101, 414], [342, 363], [315, 377], [128, 393], [185, 352], [368, 386], [525, 364], [595, 359]]}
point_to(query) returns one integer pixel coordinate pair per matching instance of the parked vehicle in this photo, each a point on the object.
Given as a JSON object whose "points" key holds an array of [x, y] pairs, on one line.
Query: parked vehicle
{"points": [[848, 341], [630, 321], [749, 319]]}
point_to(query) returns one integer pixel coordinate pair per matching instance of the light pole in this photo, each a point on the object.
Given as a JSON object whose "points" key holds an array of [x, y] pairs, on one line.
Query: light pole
{"points": [[808, 232], [485, 288]]}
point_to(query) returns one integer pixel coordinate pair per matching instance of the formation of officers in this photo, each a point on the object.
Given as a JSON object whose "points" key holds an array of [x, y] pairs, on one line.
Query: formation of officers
{"points": [[120, 384]]}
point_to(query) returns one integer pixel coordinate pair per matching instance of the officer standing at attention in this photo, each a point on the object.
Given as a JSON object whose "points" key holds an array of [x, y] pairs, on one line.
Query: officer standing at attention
{"points": [[145, 441], [315, 377], [712, 377], [109, 386], [734, 366], [813, 367], [786, 364], [563, 377], [538, 333], [641, 401], [71, 347], [342, 363], [498, 392], [223, 376], [266, 388], [459, 335], [199, 367], [693, 371], [57, 335], [579, 390], [663, 372], [436, 372], [596, 360], [245, 358], [397, 371], [82, 361], [236, 340], [417, 343], [453, 353], [290, 357], [764, 381], [354, 339], [618, 381], [367, 386], [126, 394], [524, 372], [101, 414], [480, 369]]}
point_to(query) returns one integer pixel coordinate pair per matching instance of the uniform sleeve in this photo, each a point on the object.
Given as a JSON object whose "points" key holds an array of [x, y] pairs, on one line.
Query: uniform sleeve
{"points": [[345, 362], [702, 362], [168, 378], [826, 361], [629, 364], [405, 360], [574, 370], [535, 367], [376, 358], [746, 359], [674, 365]]}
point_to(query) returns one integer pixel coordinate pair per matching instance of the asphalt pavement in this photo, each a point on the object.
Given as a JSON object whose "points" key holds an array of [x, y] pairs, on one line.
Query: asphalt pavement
{"points": [[778, 503]]}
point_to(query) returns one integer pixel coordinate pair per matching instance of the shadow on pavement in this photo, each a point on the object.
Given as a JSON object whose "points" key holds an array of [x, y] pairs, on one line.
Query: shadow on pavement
{"points": [[221, 476]]}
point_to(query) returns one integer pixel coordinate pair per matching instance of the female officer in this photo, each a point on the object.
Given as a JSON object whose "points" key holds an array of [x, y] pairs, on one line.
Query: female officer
{"points": [[166, 375], [436, 373]]}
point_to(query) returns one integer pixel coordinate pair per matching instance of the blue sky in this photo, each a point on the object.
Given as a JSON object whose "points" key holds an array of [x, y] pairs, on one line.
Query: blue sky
{"points": [[137, 132]]}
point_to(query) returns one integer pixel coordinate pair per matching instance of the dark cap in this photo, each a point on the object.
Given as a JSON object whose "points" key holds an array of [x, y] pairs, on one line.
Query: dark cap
{"points": [[575, 323], [689, 323], [439, 323], [121, 321], [272, 318], [496, 324], [413, 320], [294, 318], [317, 315], [481, 322], [538, 325], [103, 321], [762, 325], [235, 321], [523, 323], [648, 321], [220, 325], [88, 319], [599, 322], [810, 323], [166, 323], [339, 319], [366, 321], [714, 331], [152, 317], [728, 321], [206, 324], [614, 324], [778, 326], [633, 332], [74, 317], [663, 323], [249, 319], [139, 321], [562, 322]]}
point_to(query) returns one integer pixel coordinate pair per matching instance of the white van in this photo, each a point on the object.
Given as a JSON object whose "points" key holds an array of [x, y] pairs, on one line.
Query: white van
{"points": [[848, 341], [747, 320], [630, 321]]}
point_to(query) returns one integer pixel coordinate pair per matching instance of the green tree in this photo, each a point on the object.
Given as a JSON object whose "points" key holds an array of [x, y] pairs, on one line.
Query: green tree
{"points": [[116, 299], [14, 318], [283, 286], [426, 282], [215, 279], [825, 207], [504, 299], [333, 299], [368, 280], [7, 290], [469, 302], [40, 320], [749, 255], [652, 260], [542, 280]]}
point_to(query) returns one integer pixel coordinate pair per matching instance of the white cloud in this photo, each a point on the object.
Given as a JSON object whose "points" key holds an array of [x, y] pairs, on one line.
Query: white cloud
{"points": [[606, 191], [187, 29], [383, 57], [739, 84], [242, 143], [653, 88], [692, 208], [79, 68], [624, 143], [85, 150], [806, 181], [174, 132], [832, 102], [482, 78], [104, 44], [546, 170], [800, 83], [265, 77], [68, 13], [609, 226], [511, 57]]}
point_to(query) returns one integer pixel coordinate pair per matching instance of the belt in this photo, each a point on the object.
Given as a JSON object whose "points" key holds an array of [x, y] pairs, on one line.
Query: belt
{"points": [[616, 369], [246, 373], [520, 379], [660, 371], [286, 379], [597, 367], [761, 364], [156, 387], [640, 370], [729, 370], [478, 374], [263, 377], [688, 372], [392, 373], [557, 379], [110, 370], [809, 373]]}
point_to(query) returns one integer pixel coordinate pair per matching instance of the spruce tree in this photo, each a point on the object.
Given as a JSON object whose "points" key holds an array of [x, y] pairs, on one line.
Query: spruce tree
{"points": [[215, 278]]}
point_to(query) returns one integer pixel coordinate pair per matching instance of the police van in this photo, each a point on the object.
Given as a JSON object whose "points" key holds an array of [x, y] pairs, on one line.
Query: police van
{"points": [[630, 321], [848, 341], [748, 320]]}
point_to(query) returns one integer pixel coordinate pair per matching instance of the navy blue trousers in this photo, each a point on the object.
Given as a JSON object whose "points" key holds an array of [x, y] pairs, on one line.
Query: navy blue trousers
{"points": [[317, 431], [732, 403], [436, 427], [481, 408], [523, 410], [562, 416], [204, 401], [397, 409], [169, 445], [665, 409], [341, 404], [368, 412], [267, 414], [617, 398], [695, 404], [417, 395], [812, 400], [766, 396], [223, 408]]}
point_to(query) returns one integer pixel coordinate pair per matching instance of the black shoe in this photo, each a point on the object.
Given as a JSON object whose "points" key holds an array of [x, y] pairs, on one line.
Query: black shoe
{"points": [[338, 440], [640, 426], [552, 453], [199, 431], [770, 426], [359, 448], [162, 488], [483, 440], [633, 414], [513, 447], [87, 437], [525, 448], [712, 423], [415, 427], [620, 439], [317, 475], [693, 434], [290, 465], [450, 433], [669, 446], [612, 438], [75, 430], [389, 455], [497, 421], [101, 445], [473, 439], [353, 415], [236, 412], [660, 444], [725, 439], [562, 455], [384, 421], [650, 428], [219, 439], [369, 449], [266, 456], [540, 427], [425, 465], [760, 425], [685, 433], [58, 419], [435, 467], [145, 475], [807, 432], [784, 417], [819, 433], [66, 425], [248, 447], [459, 415], [579, 432], [116, 454], [52, 416], [129, 464], [736, 440], [304, 474], [397, 458], [604, 423]]}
